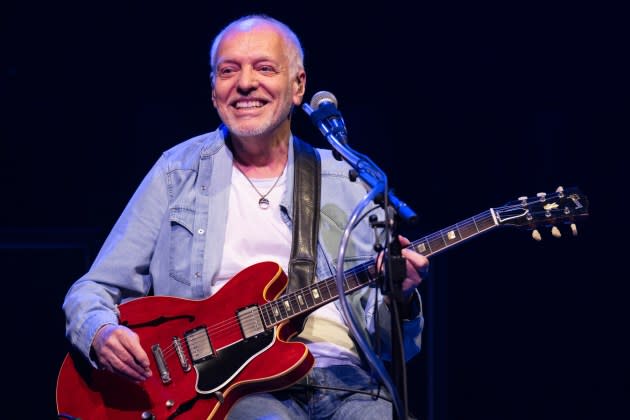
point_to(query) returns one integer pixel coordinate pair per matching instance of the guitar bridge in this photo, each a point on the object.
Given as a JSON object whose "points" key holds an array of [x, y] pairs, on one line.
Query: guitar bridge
{"points": [[199, 345], [162, 368], [183, 361]]}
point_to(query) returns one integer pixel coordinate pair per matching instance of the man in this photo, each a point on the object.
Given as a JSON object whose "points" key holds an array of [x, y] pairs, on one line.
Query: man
{"points": [[221, 202]]}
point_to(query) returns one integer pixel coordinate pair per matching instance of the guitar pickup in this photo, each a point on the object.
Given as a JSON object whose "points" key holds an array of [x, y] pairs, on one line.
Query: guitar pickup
{"points": [[250, 321], [199, 345]]}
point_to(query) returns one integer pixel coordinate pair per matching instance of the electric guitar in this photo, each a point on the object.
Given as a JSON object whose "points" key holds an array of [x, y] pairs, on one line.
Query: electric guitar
{"points": [[206, 354]]}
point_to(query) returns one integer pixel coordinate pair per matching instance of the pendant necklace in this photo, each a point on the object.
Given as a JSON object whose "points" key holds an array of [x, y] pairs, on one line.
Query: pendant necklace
{"points": [[263, 203]]}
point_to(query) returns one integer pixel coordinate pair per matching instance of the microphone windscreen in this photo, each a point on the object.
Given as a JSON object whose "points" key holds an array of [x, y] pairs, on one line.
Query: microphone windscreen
{"points": [[322, 96]]}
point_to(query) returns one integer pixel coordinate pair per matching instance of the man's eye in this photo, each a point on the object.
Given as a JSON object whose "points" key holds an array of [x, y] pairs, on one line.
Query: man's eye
{"points": [[267, 69], [226, 71]]}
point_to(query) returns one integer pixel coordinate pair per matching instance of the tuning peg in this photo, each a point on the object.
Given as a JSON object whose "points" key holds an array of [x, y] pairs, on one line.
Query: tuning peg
{"points": [[555, 232], [536, 235], [541, 196], [523, 200], [560, 191], [573, 229]]}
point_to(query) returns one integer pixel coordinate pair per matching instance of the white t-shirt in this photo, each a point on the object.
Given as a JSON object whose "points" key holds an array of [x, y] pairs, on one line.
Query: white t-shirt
{"points": [[253, 235]]}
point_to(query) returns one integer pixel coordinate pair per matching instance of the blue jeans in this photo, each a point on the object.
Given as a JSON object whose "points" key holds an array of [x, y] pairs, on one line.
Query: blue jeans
{"points": [[305, 402]]}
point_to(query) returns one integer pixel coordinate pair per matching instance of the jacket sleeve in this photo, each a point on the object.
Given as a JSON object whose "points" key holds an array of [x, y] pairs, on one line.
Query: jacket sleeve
{"points": [[121, 268], [412, 328]]}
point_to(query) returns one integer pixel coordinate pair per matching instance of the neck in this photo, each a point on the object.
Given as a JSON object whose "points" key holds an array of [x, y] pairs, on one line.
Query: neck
{"points": [[260, 157]]}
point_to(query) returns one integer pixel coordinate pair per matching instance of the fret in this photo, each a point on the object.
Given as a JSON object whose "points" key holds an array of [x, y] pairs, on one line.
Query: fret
{"points": [[426, 240], [473, 219], [349, 279], [353, 281], [286, 302], [422, 247], [331, 285], [317, 298], [284, 307], [436, 243], [450, 236], [301, 301], [325, 290], [275, 311], [264, 311], [468, 229], [308, 296], [484, 222]]}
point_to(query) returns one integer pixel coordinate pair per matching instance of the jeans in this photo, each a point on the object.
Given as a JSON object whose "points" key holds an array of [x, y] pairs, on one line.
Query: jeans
{"points": [[308, 402]]}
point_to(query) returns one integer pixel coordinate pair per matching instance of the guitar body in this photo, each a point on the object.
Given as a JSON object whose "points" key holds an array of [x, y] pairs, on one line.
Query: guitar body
{"points": [[236, 366]]}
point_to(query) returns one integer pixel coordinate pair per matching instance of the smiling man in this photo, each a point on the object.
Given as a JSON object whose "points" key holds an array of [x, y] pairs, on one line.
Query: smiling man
{"points": [[221, 202]]}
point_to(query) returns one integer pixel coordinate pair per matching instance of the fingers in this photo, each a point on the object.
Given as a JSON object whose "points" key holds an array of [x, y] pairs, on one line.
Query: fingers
{"points": [[417, 266], [118, 350]]}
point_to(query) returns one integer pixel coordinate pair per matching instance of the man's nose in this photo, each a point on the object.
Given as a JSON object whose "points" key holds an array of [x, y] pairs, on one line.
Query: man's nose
{"points": [[248, 79]]}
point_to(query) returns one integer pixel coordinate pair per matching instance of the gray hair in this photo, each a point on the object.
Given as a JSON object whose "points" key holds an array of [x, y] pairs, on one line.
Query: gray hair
{"points": [[296, 53]]}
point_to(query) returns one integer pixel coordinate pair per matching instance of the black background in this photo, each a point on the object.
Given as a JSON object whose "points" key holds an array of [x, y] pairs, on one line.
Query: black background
{"points": [[465, 106]]}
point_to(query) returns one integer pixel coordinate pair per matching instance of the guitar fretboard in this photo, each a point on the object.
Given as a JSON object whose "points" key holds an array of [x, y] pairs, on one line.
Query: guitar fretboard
{"points": [[452, 235], [318, 294]]}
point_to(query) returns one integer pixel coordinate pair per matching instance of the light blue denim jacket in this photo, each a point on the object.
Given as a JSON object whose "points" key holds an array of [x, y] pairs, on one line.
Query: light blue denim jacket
{"points": [[170, 237]]}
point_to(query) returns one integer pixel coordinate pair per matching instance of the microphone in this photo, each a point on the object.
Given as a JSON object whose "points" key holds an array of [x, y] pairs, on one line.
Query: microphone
{"points": [[324, 111]]}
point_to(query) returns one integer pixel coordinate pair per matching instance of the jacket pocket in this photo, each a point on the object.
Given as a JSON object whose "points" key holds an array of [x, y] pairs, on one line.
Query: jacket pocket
{"points": [[181, 239]]}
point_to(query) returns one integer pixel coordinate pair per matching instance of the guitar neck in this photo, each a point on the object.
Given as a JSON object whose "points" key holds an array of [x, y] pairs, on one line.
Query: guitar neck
{"points": [[320, 293]]}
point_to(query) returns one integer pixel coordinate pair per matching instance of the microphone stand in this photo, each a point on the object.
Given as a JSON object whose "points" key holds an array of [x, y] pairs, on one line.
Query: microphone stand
{"points": [[395, 269]]}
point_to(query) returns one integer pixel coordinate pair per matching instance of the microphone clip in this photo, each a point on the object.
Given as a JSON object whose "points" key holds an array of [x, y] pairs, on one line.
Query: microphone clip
{"points": [[328, 114]]}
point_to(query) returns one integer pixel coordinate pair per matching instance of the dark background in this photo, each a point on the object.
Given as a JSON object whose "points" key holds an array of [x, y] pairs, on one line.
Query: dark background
{"points": [[465, 106]]}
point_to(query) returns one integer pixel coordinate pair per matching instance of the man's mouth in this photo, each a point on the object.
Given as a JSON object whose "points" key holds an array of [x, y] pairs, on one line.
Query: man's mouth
{"points": [[248, 104]]}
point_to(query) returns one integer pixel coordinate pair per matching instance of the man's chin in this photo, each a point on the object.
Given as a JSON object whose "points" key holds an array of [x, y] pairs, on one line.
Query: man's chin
{"points": [[248, 131]]}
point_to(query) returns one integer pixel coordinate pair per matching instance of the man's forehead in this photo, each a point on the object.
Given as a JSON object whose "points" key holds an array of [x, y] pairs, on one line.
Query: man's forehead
{"points": [[251, 39]]}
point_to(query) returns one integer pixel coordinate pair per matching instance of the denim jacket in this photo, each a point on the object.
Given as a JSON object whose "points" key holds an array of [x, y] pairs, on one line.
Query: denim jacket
{"points": [[169, 239]]}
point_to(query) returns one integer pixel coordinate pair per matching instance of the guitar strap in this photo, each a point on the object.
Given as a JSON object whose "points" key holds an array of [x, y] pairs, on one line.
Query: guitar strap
{"points": [[306, 204]]}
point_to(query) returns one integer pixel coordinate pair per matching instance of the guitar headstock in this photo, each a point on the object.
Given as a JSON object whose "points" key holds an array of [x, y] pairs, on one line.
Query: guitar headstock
{"points": [[545, 210]]}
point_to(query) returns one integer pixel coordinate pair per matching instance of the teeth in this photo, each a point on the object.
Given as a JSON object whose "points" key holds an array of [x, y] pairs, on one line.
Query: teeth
{"points": [[248, 104]]}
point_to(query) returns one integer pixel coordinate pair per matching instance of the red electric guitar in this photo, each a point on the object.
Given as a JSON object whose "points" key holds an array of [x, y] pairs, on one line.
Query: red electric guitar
{"points": [[206, 354]]}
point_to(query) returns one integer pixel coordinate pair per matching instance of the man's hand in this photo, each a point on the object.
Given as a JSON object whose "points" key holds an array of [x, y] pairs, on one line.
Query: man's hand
{"points": [[118, 350], [417, 268]]}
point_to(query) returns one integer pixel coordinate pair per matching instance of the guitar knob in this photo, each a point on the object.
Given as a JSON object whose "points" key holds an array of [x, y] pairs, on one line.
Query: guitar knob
{"points": [[536, 235], [523, 200], [555, 232], [573, 229], [541, 196], [147, 415]]}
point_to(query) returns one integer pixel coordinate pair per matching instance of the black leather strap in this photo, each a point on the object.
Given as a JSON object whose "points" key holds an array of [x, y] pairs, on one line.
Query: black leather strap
{"points": [[306, 203]]}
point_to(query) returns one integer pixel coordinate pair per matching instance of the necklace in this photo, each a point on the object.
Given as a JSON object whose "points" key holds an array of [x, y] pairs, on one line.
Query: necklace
{"points": [[263, 203]]}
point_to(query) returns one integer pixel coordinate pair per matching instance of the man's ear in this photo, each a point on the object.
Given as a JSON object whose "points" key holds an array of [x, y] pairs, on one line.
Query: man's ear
{"points": [[212, 94], [300, 82]]}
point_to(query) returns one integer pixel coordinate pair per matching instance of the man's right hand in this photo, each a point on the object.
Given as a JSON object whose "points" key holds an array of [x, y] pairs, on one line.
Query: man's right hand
{"points": [[118, 350]]}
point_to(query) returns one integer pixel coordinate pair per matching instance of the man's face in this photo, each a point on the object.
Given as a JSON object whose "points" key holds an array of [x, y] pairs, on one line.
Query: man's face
{"points": [[253, 88]]}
